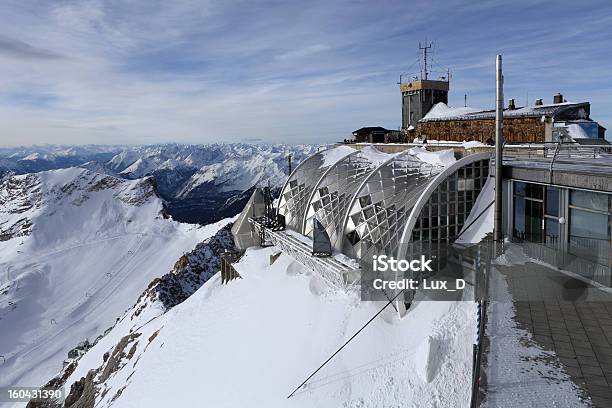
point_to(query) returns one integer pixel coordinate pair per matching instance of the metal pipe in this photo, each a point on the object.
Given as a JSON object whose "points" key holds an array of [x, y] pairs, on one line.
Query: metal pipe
{"points": [[499, 141]]}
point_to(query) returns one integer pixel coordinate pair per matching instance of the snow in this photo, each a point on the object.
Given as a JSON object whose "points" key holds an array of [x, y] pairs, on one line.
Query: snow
{"points": [[376, 156], [474, 233], [252, 341], [331, 156], [513, 255], [472, 144], [438, 158], [96, 243], [442, 111]]}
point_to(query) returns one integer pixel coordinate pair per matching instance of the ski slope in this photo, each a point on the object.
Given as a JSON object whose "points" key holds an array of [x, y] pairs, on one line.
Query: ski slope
{"points": [[95, 244]]}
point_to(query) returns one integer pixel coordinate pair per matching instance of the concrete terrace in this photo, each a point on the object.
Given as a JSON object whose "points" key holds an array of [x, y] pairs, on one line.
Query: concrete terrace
{"points": [[569, 319]]}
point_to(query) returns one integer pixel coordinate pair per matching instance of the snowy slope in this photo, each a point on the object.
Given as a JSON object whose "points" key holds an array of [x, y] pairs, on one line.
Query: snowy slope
{"points": [[252, 341], [76, 249]]}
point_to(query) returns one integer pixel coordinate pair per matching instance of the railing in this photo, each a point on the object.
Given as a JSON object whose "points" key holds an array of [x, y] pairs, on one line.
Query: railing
{"points": [[559, 157], [335, 273], [556, 150]]}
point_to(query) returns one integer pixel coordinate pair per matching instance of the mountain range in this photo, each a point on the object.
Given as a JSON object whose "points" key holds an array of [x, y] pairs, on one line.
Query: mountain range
{"points": [[197, 183]]}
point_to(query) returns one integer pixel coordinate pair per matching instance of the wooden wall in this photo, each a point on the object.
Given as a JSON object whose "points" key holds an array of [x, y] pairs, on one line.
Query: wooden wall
{"points": [[516, 130]]}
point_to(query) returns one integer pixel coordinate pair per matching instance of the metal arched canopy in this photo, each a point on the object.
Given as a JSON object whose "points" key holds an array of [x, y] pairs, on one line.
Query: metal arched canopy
{"points": [[334, 191], [318, 183], [421, 171], [424, 198], [294, 213]]}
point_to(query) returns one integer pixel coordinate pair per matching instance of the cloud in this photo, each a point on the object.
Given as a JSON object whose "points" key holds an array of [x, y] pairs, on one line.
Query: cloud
{"points": [[94, 71], [20, 49], [302, 52]]}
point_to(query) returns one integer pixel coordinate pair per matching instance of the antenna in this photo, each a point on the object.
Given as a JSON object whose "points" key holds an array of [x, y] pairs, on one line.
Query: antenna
{"points": [[425, 48], [465, 100]]}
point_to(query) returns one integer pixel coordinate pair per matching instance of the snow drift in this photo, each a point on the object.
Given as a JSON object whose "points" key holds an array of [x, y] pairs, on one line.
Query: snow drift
{"points": [[252, 341]]}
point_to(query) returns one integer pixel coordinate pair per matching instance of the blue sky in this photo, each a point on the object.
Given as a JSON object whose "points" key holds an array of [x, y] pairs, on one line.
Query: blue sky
{"points": [[152, 71]]}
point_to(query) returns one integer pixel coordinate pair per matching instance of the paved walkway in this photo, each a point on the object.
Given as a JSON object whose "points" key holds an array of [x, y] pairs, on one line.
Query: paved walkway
{"points": [[569, 317]]}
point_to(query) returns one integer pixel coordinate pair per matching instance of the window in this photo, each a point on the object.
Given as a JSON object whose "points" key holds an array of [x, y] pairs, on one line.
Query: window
{"points": [[551, 218], [589, 226], [552, 201], [528, 211]]}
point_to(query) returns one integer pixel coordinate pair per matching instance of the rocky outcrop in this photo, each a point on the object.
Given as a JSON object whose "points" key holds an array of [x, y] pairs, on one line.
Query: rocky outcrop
{"points": [[190, 272]]}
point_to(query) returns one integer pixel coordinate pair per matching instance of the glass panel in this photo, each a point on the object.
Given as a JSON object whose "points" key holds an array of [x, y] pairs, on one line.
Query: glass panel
{"points": [[552, 201], [533, 221], [519, 188], [534, 191], [588, 199], [552, 232], [588, 224], [590, 235]]}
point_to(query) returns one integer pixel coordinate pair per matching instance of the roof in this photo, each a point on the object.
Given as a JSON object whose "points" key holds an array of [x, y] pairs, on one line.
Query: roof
{"points": [[592, 142], [442, 112], [370, 129]]}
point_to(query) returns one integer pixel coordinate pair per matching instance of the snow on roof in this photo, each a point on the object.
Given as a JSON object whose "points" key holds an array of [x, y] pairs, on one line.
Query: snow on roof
{"points": [[442, 111], [376, 156], [331, 156], [438, 158]]}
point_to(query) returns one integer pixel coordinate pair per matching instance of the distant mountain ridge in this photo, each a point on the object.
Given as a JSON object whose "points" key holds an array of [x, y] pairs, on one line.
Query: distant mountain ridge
{"points": [[198, 183]]}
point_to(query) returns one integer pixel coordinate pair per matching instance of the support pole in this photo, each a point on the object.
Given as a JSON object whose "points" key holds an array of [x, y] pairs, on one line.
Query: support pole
{"points": [[499, 142]]}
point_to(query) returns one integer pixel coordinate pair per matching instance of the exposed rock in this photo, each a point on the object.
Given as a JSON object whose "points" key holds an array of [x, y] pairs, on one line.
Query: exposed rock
{"points": [[190, 272], [82, 393]]}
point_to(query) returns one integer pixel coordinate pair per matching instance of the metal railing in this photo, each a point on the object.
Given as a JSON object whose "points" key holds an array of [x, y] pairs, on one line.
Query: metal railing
{"points": [[556, 156]]}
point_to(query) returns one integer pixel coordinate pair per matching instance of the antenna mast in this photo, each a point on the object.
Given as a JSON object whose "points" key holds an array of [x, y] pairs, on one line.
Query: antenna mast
{"points": [[425, 48]]}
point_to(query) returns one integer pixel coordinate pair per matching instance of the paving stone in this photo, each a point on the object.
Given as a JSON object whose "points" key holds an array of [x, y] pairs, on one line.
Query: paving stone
{"points": [[570, 362], [587, 361], [596, 380], [566, 353], [584, 351], [604, 392], [592, 370], [601, 402], [574, 371]]}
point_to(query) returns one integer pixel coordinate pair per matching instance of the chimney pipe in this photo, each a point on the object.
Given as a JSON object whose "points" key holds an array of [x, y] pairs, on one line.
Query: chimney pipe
{"points": [[558, 98], [511, 104], [539, 102]]}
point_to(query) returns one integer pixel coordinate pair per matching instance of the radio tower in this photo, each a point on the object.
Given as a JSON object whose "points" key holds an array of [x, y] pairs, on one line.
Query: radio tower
{"points": [[424, 48]]}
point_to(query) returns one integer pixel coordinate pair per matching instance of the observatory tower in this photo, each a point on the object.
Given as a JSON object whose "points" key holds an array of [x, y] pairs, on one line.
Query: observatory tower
{"points": [[421, 93]]}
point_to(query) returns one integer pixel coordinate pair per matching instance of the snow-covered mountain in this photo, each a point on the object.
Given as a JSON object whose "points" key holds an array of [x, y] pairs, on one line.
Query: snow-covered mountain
{"points": [[76, 249], [199, 183], [21, 160]]}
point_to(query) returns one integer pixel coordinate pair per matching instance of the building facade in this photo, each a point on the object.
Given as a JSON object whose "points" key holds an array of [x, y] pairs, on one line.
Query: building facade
{"points": [[418, 97], [560, 208], [533, 124]]}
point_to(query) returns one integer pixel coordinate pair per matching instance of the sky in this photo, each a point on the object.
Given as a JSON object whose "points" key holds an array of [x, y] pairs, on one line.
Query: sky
{"points": [[156, 71]]}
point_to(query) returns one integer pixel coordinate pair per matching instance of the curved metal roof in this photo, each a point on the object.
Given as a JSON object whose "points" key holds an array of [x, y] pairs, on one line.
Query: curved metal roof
{"points": [[333, 193], [298, 187], [380, 207], [426, 195]]}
